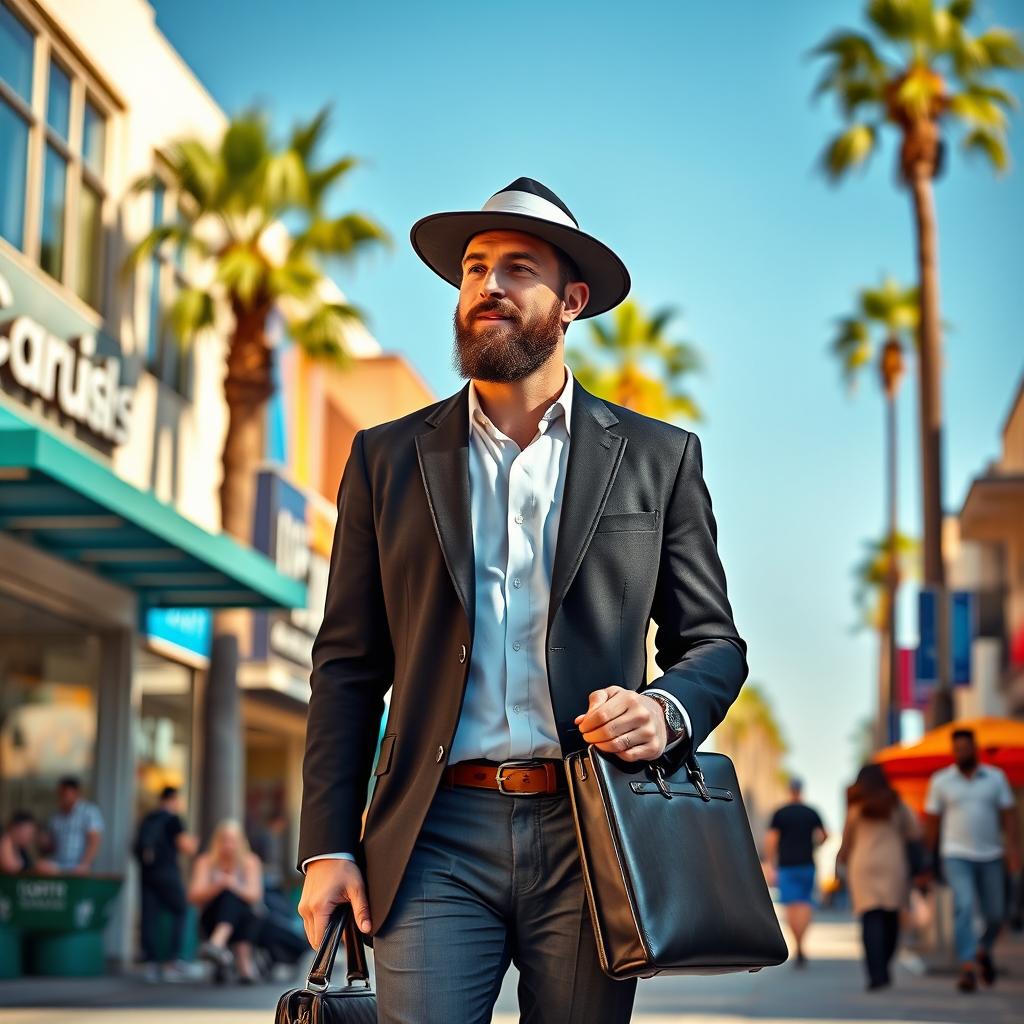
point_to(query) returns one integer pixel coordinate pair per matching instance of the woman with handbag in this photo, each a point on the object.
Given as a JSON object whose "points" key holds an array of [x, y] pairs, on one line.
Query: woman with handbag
{"points": [[879, 825]]}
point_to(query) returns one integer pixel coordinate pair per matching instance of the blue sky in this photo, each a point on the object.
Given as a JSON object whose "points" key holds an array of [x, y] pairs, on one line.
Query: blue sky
{"points": [[684, 136]]}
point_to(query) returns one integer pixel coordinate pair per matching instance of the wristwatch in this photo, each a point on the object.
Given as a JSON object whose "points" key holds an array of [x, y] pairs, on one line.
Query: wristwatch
{"points": [[673, 719]]}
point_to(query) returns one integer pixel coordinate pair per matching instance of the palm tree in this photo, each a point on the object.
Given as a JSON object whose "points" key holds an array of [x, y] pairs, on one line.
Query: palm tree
{"points": [[260, 238], [628, 344], [918, 70], [894, 557], [895, 310]]}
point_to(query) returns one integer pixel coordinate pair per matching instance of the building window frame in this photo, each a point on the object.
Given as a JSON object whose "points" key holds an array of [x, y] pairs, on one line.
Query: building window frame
{"points": [[48, 46], [166, 358]]}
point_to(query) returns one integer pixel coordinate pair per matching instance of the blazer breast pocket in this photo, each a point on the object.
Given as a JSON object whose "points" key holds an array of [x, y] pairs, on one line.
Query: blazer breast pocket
{"points": [[628, 522]]}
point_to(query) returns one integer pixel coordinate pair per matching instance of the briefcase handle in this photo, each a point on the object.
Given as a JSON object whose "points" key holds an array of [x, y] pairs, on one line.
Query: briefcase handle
{"points": [[341, 924]]}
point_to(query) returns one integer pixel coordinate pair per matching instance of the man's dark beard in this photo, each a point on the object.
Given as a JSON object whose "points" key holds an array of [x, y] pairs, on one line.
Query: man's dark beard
{"points": [[968, 763], [513, 352]]}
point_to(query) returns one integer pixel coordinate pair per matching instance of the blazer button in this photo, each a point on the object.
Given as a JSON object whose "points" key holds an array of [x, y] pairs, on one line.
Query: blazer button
{"points": [[440, 753], [462, 656]]}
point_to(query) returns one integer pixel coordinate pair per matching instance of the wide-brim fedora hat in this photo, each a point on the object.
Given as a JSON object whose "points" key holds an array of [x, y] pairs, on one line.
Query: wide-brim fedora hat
{"points": [[526, 205]]}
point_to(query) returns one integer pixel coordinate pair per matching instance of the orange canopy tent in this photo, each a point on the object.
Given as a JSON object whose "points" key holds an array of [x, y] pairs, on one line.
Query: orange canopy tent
{"points": [[1000, 742]]}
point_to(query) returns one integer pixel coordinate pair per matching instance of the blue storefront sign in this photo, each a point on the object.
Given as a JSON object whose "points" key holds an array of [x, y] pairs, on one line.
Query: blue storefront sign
{"points": [[926, 662], [187, 628], [962, 630], [961, 635]]}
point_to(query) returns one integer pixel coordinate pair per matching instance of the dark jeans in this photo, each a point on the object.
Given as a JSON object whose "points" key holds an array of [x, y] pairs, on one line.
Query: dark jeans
{"points": [[881, 932], [230, 908], [494, 879], [162, 891]]}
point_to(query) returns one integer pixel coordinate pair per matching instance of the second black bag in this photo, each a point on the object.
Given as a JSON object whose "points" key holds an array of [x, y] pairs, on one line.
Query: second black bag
{"points": [[318, 1003]]}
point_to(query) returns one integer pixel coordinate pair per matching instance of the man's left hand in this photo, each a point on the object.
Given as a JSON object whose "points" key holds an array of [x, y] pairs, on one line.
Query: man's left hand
{"points": [[625, 723]]}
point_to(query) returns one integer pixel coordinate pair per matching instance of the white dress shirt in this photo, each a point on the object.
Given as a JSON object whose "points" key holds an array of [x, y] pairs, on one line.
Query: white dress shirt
{"points": [[516, 504]]}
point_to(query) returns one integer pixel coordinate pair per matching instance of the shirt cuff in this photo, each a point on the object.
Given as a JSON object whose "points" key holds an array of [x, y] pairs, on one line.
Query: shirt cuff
{"points": [[327, 856], [680, 708]]}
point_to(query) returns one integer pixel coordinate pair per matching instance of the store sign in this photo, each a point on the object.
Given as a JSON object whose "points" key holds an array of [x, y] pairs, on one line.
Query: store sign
{"points": [[65, 373], [187, 628], [295, 530]]}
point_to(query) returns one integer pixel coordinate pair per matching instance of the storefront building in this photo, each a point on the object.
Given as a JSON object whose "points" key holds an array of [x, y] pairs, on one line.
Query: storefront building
{"points": [[993, 518], [109, 519], [312, 422]]}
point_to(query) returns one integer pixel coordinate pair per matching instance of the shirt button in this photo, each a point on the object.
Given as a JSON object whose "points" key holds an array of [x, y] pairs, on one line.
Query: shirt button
{"points": [[440, 753], [515, 708], [462, 653], [516, 646], [519, 518], [516, 582]]}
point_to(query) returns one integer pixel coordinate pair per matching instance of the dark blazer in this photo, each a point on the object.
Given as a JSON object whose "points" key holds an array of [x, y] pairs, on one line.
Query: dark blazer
{"points": [[636, 540]]}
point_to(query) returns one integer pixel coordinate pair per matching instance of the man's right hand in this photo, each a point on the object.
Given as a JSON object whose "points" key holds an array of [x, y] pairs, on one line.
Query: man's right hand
{"points": [[328, 883]]}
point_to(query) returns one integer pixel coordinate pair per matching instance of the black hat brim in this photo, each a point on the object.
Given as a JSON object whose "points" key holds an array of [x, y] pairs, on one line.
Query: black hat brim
{"points": [[440, 240]]}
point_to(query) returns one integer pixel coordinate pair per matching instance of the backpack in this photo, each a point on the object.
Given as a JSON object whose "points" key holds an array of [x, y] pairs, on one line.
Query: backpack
{"points": [[151, 838]]}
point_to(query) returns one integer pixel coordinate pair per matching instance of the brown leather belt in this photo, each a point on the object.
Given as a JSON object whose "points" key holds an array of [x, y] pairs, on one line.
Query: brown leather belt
{"points": [[514, 778]]}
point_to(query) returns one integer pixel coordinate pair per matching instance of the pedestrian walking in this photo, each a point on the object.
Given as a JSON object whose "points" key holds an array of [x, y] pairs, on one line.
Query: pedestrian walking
{"points": [[879, 826], [496, 560], [160, 838], [76, 829], [972, 817], [794, 833]]}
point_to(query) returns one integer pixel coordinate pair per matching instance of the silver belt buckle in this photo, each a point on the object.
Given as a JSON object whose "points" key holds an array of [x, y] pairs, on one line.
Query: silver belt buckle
{"points": [[499, 776]]}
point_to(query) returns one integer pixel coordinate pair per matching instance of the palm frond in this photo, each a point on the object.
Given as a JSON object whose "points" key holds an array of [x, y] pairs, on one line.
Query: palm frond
{"points": [[321, 333], [852, 147], [990, 145], [902, 21], [193, 310], [306, 137], [243, 273]]}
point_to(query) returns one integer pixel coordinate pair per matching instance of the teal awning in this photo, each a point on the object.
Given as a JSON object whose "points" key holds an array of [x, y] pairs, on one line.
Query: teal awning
{"points": [[69, 504]]}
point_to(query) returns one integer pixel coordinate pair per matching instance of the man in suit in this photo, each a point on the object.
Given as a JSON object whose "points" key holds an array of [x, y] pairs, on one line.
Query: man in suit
{"points": [[497, 558]]}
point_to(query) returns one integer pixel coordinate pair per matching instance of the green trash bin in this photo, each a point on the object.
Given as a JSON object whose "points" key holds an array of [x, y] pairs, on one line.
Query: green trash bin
{"points": [[10, 952], [62, 918]]}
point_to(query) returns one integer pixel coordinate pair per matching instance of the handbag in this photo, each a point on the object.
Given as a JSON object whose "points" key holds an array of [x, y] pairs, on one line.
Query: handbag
{"points": [[672, 875], [318, 1003]]}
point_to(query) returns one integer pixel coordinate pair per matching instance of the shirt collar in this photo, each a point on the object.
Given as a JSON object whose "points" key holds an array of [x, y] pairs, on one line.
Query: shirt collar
{"points": [[561, 406]]}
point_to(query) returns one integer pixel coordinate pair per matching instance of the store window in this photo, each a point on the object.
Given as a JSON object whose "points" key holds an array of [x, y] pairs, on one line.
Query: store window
{"points": [[167, 357], [49, 685], [70, 193], [16, 63], [164, 741]]}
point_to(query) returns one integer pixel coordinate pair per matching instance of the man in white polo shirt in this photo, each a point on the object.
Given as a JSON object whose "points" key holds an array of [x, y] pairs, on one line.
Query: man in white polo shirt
{"points": [[975, 806]]}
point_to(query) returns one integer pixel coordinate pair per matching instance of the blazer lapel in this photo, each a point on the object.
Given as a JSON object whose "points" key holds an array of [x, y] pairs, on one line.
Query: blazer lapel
{"points": [[594, 457], [443, 454]]}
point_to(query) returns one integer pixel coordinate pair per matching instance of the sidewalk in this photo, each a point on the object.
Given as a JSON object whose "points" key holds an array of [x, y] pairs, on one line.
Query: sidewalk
{"points": [[831, 988]]}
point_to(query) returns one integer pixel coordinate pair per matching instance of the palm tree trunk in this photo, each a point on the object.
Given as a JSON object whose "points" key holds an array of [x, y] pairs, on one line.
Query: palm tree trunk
{"points": [[891, 714], [247, 386], [884, 684], [930, 406]]}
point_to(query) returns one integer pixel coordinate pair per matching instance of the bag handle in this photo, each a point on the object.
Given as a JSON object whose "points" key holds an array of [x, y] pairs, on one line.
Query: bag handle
{"points": [[341, 924], [693, 771]]}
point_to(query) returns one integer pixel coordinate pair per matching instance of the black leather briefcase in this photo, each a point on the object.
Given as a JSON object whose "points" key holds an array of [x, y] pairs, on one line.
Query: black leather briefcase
{"points": [[671, 872], [318, 1003]]}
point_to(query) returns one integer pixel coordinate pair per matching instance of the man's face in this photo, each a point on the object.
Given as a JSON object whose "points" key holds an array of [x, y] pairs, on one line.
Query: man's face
{"points": [[66, 797], [24, 834], [964, 752], [511, 311]]}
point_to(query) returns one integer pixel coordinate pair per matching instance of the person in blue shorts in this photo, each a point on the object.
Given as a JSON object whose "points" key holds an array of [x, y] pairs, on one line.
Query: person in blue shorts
{"points": [[795, 831]]}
